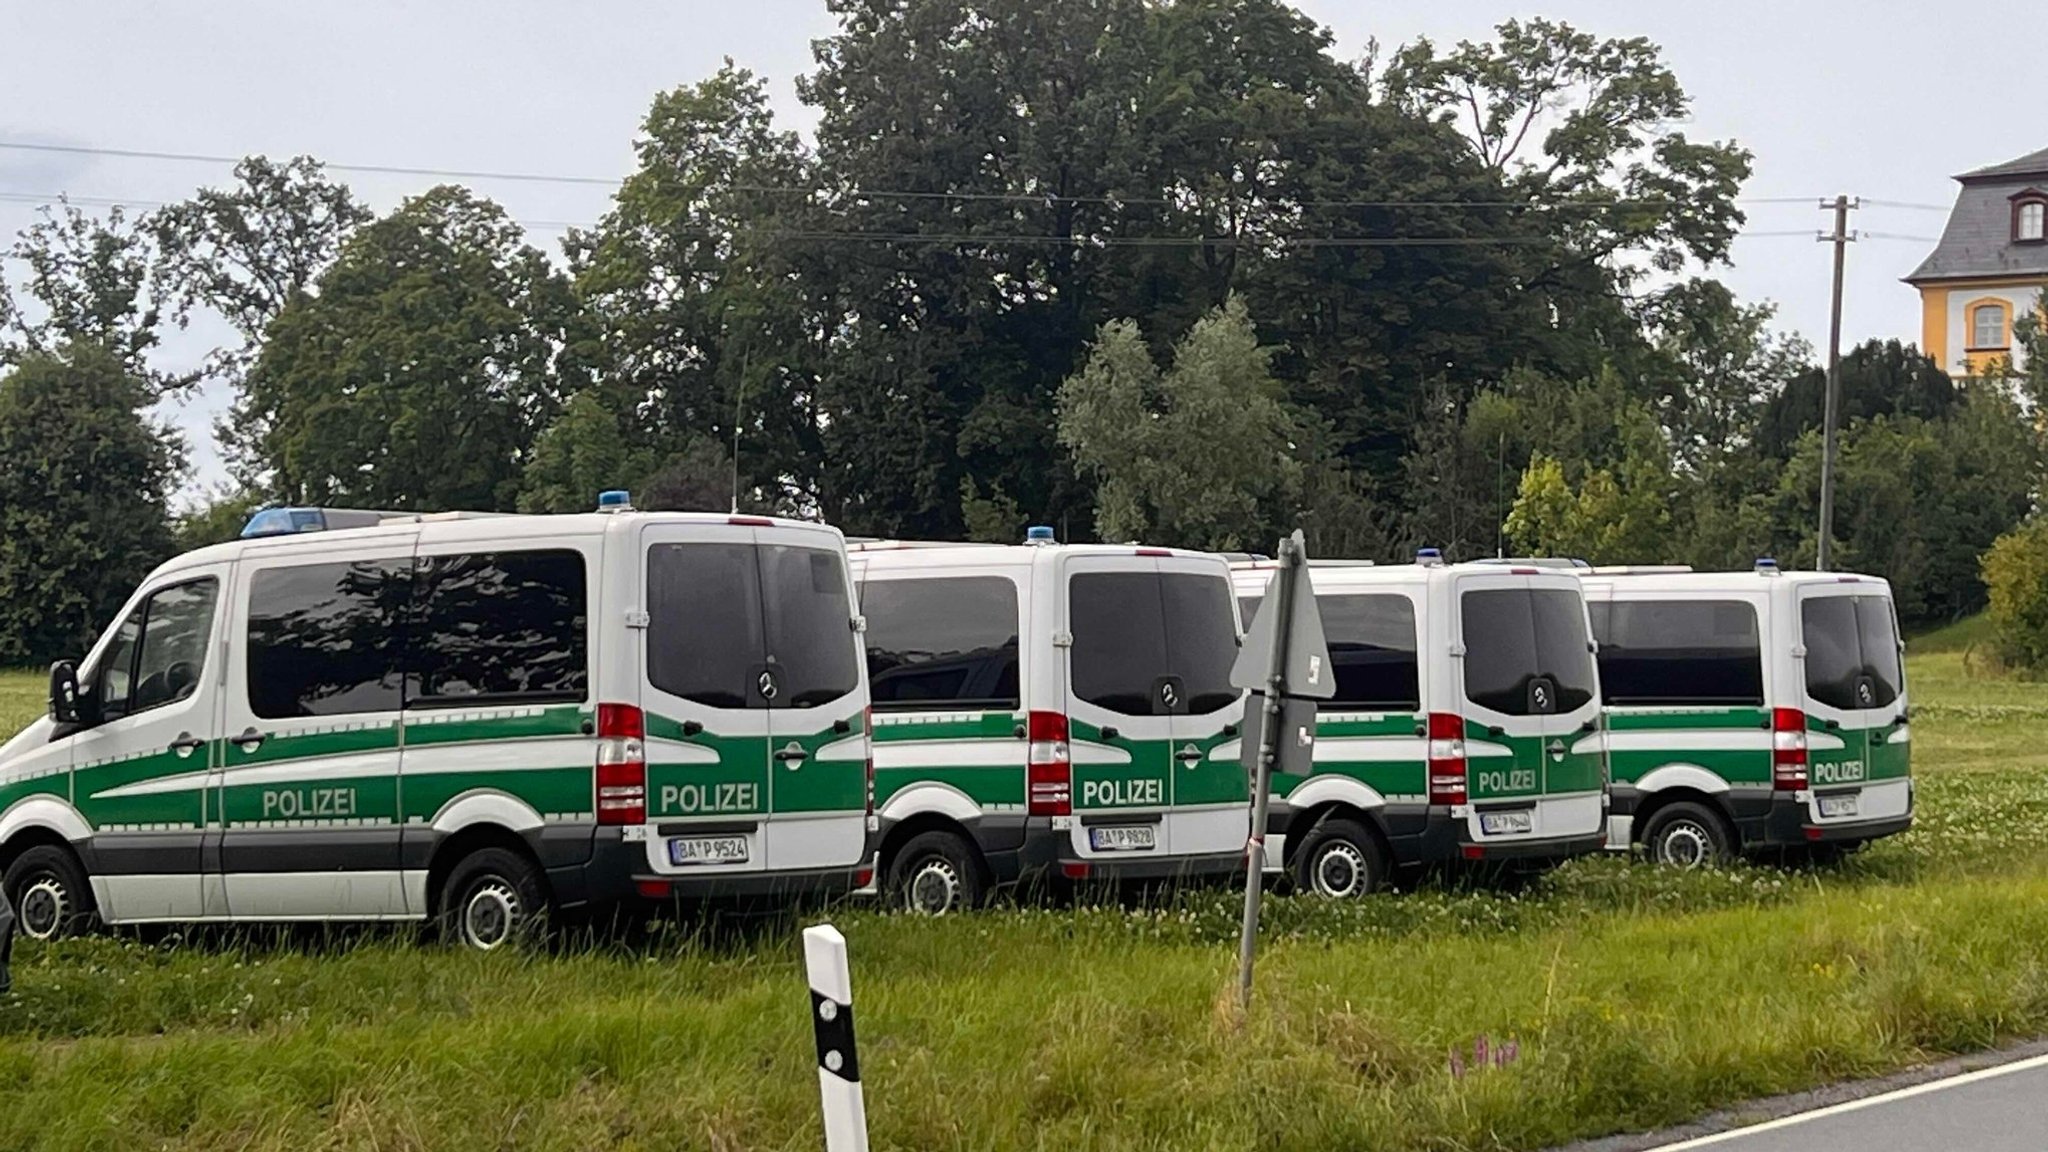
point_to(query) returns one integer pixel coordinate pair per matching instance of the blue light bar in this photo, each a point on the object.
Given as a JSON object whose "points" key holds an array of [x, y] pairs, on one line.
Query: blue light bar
{"points": [[615, 500], [1038, 534], [284, 522]]}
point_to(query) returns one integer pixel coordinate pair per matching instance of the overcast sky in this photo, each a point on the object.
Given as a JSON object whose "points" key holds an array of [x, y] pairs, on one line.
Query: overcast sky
{"points": [[1882, 99]]}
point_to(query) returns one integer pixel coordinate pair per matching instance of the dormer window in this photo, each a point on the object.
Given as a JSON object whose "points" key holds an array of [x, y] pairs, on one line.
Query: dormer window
{"points": [[2030, 220]]}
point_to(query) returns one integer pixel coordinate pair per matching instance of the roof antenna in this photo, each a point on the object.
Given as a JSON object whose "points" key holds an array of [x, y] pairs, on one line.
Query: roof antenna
{"points": [[739, 406], [1500, 474]]}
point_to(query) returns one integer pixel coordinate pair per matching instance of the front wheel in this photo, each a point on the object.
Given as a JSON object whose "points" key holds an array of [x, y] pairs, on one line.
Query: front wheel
{"points": [[1688, 835], [51, 896], [934, 874], [1340, 860], [493, 898]]}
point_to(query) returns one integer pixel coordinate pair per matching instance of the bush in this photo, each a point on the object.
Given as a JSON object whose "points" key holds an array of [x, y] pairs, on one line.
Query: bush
{"points": [[2016, 572]]}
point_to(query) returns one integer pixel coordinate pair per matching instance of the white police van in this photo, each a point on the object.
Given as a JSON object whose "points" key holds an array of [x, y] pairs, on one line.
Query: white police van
{"points": [[465, 718], [1050, 711], [1465, 725], [1751, 710]]}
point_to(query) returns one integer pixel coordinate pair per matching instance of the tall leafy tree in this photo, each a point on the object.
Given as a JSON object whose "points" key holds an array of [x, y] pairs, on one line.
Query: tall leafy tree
{"points": [[85, 479], [421, 371], [1201, 454], [88, 278], [1878, 378]]}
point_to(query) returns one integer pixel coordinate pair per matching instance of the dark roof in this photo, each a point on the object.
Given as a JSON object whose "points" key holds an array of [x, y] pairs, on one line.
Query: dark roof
{"points": [[1978, 240], [2032, 164]]}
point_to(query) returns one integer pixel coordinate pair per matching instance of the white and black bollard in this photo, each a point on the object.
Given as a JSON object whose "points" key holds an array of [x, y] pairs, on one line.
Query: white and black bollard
{"points": [[846, 1116]]}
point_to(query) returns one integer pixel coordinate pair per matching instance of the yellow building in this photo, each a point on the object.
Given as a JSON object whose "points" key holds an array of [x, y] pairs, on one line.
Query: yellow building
{"points": [[1990, 268]]}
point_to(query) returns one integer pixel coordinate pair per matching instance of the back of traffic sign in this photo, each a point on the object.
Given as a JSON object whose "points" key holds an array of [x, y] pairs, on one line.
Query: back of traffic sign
{"points": [[1306, 669]]}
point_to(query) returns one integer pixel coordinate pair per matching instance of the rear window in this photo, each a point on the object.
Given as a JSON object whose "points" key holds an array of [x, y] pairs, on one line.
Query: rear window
{"points": [[737, 625], [1852, 651], [950, 641], [499, 626], [1137, 634], [1372, 648], [1679, 652], [1526, 650], [326, 639]]}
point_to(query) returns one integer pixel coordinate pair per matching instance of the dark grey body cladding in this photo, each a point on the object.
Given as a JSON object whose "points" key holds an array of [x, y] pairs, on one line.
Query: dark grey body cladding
{"points": [[1766, 818]]}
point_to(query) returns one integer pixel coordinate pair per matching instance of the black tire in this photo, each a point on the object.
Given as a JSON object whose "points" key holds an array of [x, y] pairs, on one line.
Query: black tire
{"points": [[493, 898], [51, 895], [1684, 834], [1340, 860], [936, 873]]}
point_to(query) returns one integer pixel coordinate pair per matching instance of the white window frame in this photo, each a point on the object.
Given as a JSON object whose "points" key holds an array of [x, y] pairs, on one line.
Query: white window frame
{"points": [[1977, 311], [2031, 221]]}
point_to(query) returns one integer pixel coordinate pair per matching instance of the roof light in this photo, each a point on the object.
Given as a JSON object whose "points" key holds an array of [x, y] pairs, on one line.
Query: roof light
{"points": [[1039, 534], [1765, 566], [1429, 557], [291, 521], [615, 500]]}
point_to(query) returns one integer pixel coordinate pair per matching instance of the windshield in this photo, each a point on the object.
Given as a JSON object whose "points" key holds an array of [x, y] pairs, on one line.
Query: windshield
{"points": [[1526, 650]]}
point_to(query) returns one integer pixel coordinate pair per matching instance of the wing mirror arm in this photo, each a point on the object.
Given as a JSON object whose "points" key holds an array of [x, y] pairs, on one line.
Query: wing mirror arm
{"points": [[69, 709]]}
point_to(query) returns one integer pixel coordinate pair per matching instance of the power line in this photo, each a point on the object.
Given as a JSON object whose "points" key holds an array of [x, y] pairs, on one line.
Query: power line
{"points": [[1909, 204], [1047, 198]]}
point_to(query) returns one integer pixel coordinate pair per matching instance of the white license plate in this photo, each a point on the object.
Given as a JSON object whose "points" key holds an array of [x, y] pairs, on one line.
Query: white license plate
{"points": [[1142, 838], [1506, 823], [708, 850], [1833, 806]]}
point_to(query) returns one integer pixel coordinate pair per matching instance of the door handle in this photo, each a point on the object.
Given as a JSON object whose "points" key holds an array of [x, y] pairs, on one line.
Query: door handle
{"points": [[1496, 731], [248, 741], [186, 744], [793, 754], [1188, 754], [1110, 733]]}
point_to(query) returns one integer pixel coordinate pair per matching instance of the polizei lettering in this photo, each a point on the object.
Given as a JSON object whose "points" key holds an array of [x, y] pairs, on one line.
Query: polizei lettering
{"points": [[1837, 771], [1121, 793], [732, 796], [308, 803], [1517, 780]]}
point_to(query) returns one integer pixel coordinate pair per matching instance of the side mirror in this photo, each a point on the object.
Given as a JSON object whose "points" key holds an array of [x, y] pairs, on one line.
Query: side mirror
{"points": [[64, 707]]}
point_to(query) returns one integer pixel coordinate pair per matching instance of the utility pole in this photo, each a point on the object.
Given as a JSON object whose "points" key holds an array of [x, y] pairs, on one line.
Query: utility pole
{"points": [[1832, 406]]}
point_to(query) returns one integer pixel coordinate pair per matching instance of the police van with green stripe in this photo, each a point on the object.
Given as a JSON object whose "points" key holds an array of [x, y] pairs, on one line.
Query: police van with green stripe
{"points": [[463, 718], [1751, 710], [1050, 711], [1465, 724]]}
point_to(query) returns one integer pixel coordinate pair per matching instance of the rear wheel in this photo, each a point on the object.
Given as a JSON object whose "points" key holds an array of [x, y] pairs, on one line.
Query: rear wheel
{"points": [[1340, 860], [51, 896], [493, 898], [935, 873], [1688, 835]]}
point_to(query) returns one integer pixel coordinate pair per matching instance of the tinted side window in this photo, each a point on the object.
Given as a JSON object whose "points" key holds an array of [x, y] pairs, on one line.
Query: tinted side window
{"points": [[498, 626], [1372, 646], [1563, 649], [1679, 652], [1201, 638], [1119, 653], [811, 642], [951, 640], [327, 639], [704, 640]]}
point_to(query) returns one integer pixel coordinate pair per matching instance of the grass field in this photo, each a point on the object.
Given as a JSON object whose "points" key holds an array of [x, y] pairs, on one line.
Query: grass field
{"points": [[1629, 997]]}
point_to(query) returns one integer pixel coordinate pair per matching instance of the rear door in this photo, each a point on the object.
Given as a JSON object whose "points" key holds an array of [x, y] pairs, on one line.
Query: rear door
{"points": [[705, 695], [817, 702], [1574, 754], [1855, 701], [1121, 697], [1210, 813]]}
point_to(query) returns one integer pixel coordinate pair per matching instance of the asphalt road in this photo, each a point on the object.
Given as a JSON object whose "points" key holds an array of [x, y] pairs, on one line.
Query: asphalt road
{"points": [[1998, 1109]]}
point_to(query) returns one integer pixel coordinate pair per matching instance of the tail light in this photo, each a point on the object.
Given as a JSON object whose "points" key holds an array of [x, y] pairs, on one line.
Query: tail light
{"points": [[1050, 776], [1788, 749], [867, 728], [621, 765], [1446, 758]]}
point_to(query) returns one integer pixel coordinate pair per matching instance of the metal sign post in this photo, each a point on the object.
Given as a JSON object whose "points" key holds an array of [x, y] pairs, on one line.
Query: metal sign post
{"points": [[1285, 656]]}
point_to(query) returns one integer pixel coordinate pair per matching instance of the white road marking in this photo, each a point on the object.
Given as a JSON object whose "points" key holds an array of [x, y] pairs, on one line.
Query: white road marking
{"points": [[1858, 1105]]}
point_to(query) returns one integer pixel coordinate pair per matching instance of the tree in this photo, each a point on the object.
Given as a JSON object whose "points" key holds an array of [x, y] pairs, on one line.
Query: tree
{"points": [[584, 452], [248, 252], [1720, 364], [90, 278], [1878, 378], [85, 479], [1201, 455], [420, 374], [218, 517], [2016, 573], [1611, 516]]}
